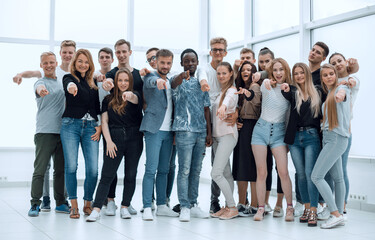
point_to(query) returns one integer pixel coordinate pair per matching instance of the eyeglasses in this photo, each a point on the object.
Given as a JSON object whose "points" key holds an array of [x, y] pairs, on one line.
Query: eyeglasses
{"points": [[153, 58], [220, 50]]}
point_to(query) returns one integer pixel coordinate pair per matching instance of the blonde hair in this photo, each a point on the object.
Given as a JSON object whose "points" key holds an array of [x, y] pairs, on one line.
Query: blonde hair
{"points": [[89, 73], [46, 54], [229, 84], [330, 103], [68, 43], [309, 89], [219, 40], [286, 68]]}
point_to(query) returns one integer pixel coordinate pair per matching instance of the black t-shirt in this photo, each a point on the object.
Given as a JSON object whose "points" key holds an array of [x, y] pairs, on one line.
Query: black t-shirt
{"points": [[305, 118], [131, 118], [137, 80], [316, 77]]}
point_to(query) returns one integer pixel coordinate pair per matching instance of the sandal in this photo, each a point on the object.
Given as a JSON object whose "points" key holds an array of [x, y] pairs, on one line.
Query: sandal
{"points": [[74, 213], [305, 216], [313, 219], [87, 210]]}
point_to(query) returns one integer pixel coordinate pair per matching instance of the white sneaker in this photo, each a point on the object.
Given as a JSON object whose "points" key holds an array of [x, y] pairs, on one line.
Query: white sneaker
{"points": [[132, 210], [147, 214], [196, 212], [278, 211], [184, 214], [111, 208], [320, 209], [324, 215], [95, 215], [333, 221], [124, 213], [298, 209], [267, 208], [163, 210], [153, 205]]}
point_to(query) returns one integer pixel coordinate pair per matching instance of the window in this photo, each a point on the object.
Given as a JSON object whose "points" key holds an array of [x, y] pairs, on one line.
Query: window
{"points": [[322, 8]]}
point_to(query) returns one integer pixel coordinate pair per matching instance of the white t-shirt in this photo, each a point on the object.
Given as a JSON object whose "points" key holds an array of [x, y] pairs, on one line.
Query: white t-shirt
{"points": [[167, 122], [102, 92], [354, 91], [214, 84]]}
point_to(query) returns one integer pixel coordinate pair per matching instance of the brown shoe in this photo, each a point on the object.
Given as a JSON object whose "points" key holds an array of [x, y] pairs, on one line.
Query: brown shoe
{"points": [[289, 216], [220, 212], [305, 216], [74, 213], [87, 210], [232, 212], [312, 219]]}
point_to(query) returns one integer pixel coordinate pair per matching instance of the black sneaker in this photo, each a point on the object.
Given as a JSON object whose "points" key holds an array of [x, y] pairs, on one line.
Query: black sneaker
{"points": [[177, 208], [46, 204], [242, 210], [215, 207]]}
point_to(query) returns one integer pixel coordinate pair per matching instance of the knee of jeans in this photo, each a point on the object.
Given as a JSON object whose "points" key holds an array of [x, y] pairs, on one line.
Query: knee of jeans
{"points": [[315, 178], [301, 176], [216, 175], [72, 168], [150, 172], [184, 171]]}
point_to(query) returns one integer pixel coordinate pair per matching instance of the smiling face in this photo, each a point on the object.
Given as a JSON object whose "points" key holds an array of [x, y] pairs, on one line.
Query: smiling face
{"points": [[123, 82], [151, 58], [278, 72], [339, 63], [66, 54], [82, 64], [299, 75], [264, 60], [123, 54], [329, 77], [164, 65], [248, 56], [218, 52], [48, 64], [223, 75], [246, 72]]}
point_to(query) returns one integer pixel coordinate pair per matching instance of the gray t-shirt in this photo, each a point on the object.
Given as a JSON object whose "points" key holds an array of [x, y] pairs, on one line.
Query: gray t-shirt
{"points": [[50, 107]]}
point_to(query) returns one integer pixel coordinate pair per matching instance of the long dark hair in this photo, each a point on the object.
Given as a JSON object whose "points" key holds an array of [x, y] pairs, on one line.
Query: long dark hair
{"points": [[115, 98], [241, 83]]}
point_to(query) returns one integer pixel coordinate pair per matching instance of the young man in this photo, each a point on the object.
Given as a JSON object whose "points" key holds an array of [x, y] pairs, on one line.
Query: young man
{"points": [[67, 50], [218, 52], [105, 58], [50, 98], [192, 124], [246, 54], [156, 125], [123, 52]]}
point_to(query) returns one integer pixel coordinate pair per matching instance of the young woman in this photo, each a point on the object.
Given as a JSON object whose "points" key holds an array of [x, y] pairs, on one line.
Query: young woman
{"points": [[302, 135], [270, 131], [80, 126], [339, 62], [264, 58], [225, 139], [121, 118], [244, 169], [336, 132]]}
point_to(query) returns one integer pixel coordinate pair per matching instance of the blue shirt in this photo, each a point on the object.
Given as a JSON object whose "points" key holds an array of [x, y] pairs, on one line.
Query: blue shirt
{"points": [[189, 102]]}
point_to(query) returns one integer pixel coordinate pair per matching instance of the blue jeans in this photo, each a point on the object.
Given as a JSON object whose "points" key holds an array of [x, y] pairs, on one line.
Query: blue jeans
{"points": [[172, 171], [345, 158], [191, 148], [158, 154], [329, 160], [305, 151], [73, 132]]}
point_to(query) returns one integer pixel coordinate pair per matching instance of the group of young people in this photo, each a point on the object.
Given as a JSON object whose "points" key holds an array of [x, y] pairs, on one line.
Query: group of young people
{"points": [[258, 114]]}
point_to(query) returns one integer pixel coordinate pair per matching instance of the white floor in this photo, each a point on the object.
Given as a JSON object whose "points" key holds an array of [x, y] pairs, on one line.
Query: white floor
{"points": [[15, 224]]}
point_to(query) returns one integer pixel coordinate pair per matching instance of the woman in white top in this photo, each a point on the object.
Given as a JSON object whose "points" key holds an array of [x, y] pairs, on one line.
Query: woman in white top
{"points": [[270, 131], [225, 139]]}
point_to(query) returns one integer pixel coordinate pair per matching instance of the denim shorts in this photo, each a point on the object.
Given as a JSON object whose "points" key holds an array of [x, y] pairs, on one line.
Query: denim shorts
{"points": [[268, 134]]}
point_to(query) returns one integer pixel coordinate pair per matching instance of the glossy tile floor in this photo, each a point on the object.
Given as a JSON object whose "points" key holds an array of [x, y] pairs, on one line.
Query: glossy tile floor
{"points": [[15, 224]]}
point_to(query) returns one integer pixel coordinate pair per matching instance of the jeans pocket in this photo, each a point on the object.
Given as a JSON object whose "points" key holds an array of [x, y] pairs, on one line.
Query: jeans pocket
{"points": [[312, 132], [67, 121]]}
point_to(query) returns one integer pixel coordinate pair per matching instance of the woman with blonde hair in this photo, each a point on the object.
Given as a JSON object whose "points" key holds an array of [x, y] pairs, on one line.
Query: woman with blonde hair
{"points": [[302, 135], [270, 131], [80, 125], [336, 132]]}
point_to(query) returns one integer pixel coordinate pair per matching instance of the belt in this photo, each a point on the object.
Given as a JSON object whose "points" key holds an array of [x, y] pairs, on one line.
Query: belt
{"points": [[301, 129]]}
